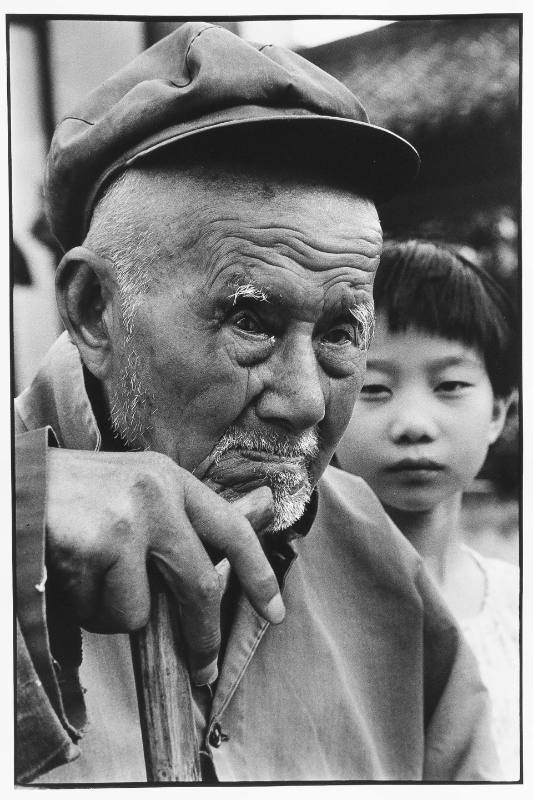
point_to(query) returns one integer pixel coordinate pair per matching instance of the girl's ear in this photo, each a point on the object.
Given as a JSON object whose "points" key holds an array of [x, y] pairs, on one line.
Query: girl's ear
{"points": [[86, 290], [500, 408]]}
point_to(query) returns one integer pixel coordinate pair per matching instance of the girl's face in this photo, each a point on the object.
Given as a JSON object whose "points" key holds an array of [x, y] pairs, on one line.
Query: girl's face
{"points": [[421, 427]]}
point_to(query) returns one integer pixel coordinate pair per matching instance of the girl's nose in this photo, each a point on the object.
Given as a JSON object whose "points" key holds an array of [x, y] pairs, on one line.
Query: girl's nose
{"points": [[413, 423]]}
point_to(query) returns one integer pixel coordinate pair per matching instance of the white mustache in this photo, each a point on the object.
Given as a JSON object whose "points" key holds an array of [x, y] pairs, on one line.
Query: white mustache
{"points": [[283, 446], [302, 448]]}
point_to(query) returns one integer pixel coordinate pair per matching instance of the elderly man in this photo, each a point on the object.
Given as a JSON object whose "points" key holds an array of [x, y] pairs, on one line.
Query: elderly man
{"points": [[215, 201]]}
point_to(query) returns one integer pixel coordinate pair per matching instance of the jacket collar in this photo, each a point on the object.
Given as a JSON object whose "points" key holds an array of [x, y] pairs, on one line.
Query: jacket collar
{"points": [[57, 397]]}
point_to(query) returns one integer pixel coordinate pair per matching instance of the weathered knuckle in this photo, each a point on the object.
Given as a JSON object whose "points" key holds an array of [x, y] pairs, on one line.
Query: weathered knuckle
{"points": [[159, 483], [207, 589], [151, 507], [121, 529], [148, 487]]}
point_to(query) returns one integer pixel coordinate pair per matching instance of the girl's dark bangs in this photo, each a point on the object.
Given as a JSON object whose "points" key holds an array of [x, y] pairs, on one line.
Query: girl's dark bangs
{"points": [[424, 286]]}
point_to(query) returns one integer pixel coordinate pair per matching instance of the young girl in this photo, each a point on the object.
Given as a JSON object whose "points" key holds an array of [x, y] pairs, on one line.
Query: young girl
{"points": [[439, 375]]}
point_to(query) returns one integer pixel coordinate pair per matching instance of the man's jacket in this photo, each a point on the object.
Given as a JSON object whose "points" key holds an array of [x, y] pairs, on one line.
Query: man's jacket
{"points": [[366, 679]]}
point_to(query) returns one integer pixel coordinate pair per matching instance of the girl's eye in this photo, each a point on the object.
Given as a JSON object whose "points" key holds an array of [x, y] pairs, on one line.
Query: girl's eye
{"points": [[375, 391], [452, 387]]}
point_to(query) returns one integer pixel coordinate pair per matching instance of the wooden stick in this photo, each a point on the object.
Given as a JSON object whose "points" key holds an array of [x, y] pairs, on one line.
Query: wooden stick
{"points": [[164, 693], [163, 686]]}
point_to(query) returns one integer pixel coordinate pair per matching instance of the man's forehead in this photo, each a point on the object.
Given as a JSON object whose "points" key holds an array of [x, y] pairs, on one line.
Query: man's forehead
{"points": [[252, 180], [198, 200], [189, 208]]}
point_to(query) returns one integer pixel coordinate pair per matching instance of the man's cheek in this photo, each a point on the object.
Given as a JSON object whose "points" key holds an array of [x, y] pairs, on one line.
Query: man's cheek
{"points": [[331, 429], [344, 398], [213, 409]]}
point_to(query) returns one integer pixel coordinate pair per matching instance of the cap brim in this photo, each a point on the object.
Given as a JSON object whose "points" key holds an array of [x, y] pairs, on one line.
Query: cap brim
{"points": [[368, 158]]}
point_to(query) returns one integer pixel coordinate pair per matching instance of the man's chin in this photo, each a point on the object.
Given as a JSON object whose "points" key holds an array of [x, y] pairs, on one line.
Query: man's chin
{"points": [[288, 508], [291, 494], [291, 491]]}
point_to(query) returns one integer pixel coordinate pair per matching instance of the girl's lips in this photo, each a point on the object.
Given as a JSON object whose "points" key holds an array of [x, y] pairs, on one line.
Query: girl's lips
{"points": [[415, 465], [415, 472]]}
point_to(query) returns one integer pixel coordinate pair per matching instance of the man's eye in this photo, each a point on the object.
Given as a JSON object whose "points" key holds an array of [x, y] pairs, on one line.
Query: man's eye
{"points": [[340, 335], [452, 387], [375, 391], [248, 323]]}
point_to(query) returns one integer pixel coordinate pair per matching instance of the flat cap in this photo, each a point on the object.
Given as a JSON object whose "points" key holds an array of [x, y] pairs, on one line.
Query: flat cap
{"points": [[203, 79]]}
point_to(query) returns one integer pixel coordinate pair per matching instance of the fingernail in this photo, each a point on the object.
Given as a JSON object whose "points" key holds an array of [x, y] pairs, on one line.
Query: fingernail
{"points": [[223, 571], [275, 610], [209, 674]]}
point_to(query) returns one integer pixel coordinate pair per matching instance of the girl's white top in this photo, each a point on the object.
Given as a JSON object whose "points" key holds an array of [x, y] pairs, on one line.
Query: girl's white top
{"points": [[493, 636]]}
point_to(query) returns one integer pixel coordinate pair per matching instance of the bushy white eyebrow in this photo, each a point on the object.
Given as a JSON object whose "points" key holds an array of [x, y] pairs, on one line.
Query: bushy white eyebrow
{"points": [[249, 291], [363, 313]]}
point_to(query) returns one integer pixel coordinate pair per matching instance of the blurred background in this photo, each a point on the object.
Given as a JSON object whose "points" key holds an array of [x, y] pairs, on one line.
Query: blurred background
{"points": [[451, 86]]}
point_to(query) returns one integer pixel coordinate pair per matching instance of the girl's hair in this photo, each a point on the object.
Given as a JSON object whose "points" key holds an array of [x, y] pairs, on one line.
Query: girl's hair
{"points": [[436, 289]]}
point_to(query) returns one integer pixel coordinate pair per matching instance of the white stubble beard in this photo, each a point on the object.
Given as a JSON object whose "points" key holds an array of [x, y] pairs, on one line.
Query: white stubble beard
{"points": [[131, 404]]}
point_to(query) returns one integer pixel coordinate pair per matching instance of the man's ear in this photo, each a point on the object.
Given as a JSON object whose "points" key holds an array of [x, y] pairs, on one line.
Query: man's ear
{"points": [[86, 289], [500, 408]]}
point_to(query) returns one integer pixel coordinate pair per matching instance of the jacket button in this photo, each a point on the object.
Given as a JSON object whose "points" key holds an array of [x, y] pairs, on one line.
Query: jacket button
{"points": [[216, 737]]}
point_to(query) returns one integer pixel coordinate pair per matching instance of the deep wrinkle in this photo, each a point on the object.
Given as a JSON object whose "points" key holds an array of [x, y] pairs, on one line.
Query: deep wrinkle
{"points": [[221, 243]]}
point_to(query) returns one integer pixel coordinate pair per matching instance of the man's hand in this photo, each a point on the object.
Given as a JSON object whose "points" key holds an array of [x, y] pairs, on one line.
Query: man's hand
{"points": [[107, 513]]}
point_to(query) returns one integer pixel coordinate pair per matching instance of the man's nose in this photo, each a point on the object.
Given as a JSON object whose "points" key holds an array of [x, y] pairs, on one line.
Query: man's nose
{"points": [[293, 394], [413, 422]]}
